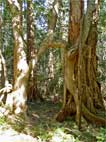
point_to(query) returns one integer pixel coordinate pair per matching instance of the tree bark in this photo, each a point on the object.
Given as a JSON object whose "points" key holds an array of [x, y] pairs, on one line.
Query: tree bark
{"points": [[82, 95], [3, 69], [31, 53], [16, 100], [49, 42]]}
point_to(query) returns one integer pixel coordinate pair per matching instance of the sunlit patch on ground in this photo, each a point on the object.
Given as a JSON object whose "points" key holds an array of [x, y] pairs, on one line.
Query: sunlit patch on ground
{"points": [[40, 126]]}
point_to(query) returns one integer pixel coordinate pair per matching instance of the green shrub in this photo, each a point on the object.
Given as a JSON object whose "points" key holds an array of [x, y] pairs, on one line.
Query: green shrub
{"points": [[2, 120], [102, 135]]}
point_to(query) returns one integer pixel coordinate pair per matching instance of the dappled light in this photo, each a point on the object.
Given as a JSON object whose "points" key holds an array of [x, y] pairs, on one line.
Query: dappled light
{"points": [[52, 71]]}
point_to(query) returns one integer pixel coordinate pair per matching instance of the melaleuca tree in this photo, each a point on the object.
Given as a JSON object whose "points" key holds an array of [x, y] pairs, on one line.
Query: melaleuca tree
{"points": [[77, 42]]}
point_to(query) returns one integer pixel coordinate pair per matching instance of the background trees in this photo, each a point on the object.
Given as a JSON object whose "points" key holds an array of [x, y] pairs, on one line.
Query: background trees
{"points": [[54, 47], [101, 47]]}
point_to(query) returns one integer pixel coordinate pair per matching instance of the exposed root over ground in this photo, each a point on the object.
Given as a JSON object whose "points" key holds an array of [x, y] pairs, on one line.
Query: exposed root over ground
{"points": [[40, 125]]}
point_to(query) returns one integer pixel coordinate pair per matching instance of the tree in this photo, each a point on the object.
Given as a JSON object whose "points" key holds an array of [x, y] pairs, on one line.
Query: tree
{"points": [[101, 47], [31, 51], [3, 69], [82, 93], [17, 99]]}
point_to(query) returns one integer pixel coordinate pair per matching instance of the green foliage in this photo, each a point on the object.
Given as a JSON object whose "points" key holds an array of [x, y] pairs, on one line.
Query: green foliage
{"points": [[2, 121], [42, 125], [17, 122], [101, 49], [102, 135]]}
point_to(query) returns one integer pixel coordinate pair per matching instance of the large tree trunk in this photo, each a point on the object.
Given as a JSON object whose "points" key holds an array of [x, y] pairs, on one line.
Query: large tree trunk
{"points": [[17, 99], [31, 53], [3, 69], [82, 95]]}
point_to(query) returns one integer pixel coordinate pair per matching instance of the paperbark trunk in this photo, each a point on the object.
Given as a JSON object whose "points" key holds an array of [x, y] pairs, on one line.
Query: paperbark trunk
{"points": [[16, 100]]}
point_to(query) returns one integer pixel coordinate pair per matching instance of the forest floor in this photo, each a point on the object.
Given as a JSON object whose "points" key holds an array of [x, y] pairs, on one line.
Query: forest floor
{"points": [[40, 126]]}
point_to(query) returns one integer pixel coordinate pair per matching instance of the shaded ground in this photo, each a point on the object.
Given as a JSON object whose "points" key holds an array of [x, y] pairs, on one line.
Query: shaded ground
{"points": [[40, 126]]}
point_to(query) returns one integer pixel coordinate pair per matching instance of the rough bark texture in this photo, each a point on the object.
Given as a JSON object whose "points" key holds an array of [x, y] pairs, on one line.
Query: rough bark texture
{"points": [[82, 95], [3, 69], [31, 53]]}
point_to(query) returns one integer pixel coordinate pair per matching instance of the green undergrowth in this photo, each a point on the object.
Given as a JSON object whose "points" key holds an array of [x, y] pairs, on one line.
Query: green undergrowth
{"points": [[2, 120], [41, 123], [102, 135]]}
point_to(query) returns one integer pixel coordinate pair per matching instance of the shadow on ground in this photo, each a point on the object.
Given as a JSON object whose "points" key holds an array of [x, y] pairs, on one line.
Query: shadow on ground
{"points": [[40, 123]]}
